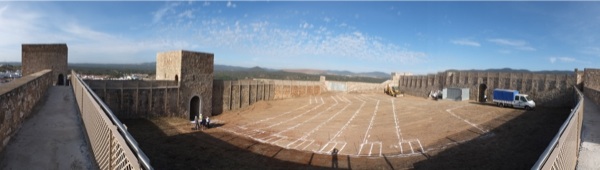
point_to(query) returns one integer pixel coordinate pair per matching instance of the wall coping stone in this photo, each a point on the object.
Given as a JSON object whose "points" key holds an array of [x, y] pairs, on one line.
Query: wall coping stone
{"points": [[5, 88]]}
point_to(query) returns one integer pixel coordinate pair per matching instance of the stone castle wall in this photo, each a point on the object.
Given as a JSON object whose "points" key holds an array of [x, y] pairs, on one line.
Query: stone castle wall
{"points": [[553, 90], [17, 99], [137, 98], [38, 57], [591, 84], [361, 87], [233, 95], [168, 66], [196, 79], [181, 76]]}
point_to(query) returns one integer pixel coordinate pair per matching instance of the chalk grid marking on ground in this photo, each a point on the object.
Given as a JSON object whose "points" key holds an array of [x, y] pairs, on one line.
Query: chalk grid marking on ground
{"points": [[465, 120], [311, 118], [374, 148], [283, 114], [325, 148], [303, 138], [297, 116], [274, 139], [367, 135], [414, 144]]}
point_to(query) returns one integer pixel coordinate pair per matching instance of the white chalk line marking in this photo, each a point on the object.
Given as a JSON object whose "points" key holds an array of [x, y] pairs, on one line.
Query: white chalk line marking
{"points": [[324, 122], [465, 120], [334, 145], [273, 139], [369, 127], [343, 128], [297, 125], [421, 146], [285, 113], [311, 142], [371, 145], [253, 138], [295, 117], [307, 120], [398, 133]]}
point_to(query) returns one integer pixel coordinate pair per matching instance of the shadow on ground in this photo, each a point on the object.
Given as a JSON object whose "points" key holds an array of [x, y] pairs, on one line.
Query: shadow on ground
{"points": [[515, 141], [515, 144], [218, 150]]}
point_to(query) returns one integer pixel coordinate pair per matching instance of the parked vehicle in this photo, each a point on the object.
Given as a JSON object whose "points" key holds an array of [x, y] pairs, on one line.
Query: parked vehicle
{"points": [[512, 98], [391, 90]]}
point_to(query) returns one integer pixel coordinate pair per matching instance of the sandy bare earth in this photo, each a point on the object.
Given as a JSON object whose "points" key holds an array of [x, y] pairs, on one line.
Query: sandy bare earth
{"points": [[369, 131]]}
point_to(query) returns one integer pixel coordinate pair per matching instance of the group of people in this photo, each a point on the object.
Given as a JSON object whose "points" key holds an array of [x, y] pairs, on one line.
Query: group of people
{"points": [[201, 122]]}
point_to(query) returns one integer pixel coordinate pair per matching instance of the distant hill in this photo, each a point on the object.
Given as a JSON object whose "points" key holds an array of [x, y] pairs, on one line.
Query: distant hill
{"points": [[509, 70], [340, 73], [223, 72]]}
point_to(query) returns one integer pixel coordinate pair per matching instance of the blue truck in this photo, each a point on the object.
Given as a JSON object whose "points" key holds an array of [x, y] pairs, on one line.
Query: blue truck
{"points": [[512, 98]]}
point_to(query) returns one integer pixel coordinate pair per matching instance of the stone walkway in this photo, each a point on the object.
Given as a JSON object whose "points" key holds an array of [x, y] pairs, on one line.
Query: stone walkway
{"points": [[589, 153], [52, 138]]}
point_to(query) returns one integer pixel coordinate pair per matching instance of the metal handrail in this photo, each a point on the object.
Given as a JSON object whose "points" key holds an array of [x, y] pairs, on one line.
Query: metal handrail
{"points": [[544, 157], [128, 138]]}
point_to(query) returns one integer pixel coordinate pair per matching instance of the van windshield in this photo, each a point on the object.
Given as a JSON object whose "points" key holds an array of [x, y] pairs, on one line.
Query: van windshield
{"points": [[525, 99]]}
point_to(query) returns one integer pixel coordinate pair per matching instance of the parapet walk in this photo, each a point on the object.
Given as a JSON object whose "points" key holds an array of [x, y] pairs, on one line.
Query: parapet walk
{"points": [[52, 138]]}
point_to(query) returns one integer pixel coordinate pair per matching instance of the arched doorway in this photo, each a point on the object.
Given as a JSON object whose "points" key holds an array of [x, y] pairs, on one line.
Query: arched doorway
{"points": [[176, 78], [195, 107], [482, 88], [61, 80]]}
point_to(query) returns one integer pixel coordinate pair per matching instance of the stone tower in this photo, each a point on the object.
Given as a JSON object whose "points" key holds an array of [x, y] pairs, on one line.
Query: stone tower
{"points": [[194, 72], [38, 57]]}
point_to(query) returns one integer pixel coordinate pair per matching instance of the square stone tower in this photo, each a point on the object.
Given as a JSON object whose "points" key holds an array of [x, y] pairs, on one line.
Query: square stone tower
{"points": [[194, 72], [38, 57]]}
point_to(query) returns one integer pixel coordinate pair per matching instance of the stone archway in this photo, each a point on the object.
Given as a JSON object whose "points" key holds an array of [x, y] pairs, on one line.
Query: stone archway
{"points": [[61, 80], [195, 107], [176, 78], [482, 89]]}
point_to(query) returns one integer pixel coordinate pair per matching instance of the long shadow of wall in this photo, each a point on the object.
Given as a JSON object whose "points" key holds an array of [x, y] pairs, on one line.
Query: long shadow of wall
{"points": [[516, 144], [199, 150], [217, 100]]}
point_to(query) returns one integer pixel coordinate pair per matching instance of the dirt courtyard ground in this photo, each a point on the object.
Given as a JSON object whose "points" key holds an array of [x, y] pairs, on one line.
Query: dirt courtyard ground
{"points": [[369, 131]]}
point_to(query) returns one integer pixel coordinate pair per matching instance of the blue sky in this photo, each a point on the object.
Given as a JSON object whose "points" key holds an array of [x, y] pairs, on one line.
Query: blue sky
{"points": [[417, 37]]}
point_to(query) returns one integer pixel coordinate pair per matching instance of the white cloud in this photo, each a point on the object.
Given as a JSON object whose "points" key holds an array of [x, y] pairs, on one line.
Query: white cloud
{"points": [[206, 3], [306, 25], [466, 42], [187, 14], [517, 44], [25, 24], [231, 5], [268, 40], [595, 51], [327, 19], [3, 9], [565, 60], [158, 15], [81, 32]]}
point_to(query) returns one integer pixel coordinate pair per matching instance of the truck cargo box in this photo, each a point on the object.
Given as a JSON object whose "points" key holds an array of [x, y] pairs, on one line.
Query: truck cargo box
{"points": [[504, 94]]}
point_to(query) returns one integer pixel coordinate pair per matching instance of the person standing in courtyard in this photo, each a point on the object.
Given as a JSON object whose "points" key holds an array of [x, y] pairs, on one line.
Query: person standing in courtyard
{"points": [[196, 123], [207, 122], [334, 158]]}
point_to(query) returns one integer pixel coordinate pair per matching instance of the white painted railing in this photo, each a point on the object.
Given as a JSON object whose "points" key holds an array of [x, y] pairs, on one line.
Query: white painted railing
{"points": [[112, 145], [563, 150]]}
